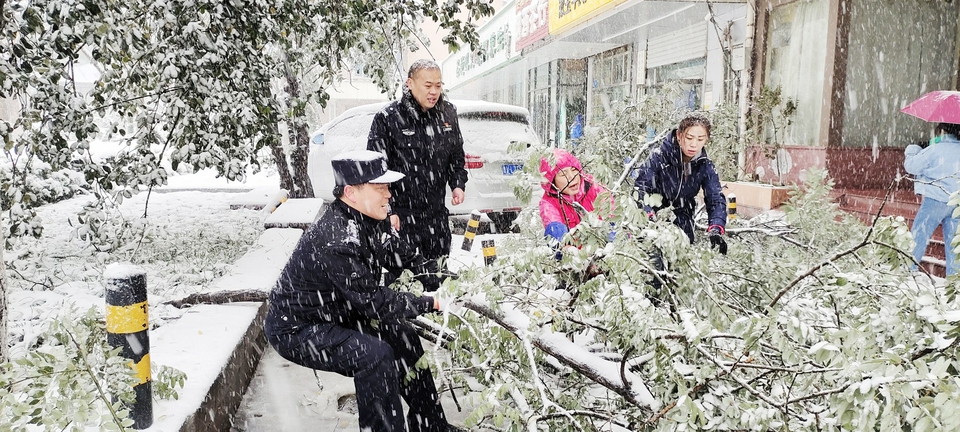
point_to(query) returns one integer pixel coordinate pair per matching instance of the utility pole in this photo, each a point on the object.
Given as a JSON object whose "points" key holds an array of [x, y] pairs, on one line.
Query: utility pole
{"points": [[746, 83], [3, 303]]}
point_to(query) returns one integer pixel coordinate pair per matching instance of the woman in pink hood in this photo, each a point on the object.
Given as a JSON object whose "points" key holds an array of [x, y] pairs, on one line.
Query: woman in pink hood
{"points": [[565, 184]]}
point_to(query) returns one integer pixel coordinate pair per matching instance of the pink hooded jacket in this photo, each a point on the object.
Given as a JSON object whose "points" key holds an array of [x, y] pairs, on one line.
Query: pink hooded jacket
{"points": [[556, 207]]}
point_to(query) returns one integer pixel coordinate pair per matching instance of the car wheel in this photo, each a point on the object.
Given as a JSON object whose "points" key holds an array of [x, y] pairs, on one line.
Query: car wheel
{"points": [[503, 221]]}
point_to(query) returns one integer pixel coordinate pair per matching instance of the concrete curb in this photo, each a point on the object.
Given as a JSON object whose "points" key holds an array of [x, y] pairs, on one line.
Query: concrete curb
{"points": [[218, 348], [216, 411], [223, 397]]}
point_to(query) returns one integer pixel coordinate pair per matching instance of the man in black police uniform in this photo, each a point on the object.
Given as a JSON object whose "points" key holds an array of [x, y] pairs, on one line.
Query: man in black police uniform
{"points": [[420, 135], [323, 307]]}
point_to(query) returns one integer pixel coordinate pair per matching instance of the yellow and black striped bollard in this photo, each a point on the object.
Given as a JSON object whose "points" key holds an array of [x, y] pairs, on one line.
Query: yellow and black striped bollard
{"points": [[127, 328], [489, 251], [472, 225], [732, 207]]}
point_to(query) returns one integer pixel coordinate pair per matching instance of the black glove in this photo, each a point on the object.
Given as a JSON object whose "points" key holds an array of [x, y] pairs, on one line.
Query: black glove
{"points": [[716, 239]]}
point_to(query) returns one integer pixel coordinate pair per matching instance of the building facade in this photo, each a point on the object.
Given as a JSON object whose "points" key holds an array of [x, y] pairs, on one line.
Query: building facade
{"points": [[847, 65], [562, 59], [851, 65]]}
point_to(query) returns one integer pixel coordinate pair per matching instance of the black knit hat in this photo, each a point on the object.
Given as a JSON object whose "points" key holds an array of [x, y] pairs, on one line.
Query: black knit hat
{"points": [[362, 166]]}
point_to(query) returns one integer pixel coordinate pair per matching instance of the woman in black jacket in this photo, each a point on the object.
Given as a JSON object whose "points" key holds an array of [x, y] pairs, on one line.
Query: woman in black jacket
{"points": [[677, 172]]}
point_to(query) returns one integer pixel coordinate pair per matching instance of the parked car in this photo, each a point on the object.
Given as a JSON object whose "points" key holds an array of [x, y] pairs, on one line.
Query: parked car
{"points": [[487, 128]]}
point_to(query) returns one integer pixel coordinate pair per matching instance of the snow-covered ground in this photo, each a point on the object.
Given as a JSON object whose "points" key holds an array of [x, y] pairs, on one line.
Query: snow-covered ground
{"points": [[191, 238]]}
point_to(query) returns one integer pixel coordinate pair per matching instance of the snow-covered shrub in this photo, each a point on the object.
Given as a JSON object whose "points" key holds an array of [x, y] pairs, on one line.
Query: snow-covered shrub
{"points": [[181, 252], [72, 380], [184, 245], [29, 187]]}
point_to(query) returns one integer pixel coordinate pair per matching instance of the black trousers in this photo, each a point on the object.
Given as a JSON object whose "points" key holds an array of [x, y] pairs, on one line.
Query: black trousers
{"points": [[382, 363], [429, 234]]}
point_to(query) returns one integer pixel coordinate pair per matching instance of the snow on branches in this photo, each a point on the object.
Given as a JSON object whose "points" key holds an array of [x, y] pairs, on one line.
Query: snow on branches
{"points": [[801, 326]]}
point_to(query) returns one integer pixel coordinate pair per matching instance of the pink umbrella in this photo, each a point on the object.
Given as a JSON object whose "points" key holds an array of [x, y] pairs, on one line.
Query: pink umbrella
{"points": [[941, 106]]}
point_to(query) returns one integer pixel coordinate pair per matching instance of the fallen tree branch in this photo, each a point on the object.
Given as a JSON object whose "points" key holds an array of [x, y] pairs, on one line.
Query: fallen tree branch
{"points": [[601, 371], [580, 413], [432, 332], [696, 389], [729, 372], [220, 297], [814, 269], [866, 240]]}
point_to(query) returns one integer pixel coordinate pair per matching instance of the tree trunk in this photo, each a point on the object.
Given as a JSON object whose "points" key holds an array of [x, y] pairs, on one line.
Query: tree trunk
{"points": [[627, 385], [298, 159], [299, 137], [283, 169], [3, 305]]}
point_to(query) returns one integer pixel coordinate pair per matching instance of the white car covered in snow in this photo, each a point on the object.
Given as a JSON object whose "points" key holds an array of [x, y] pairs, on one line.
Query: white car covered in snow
{"points": [[487, 128]]}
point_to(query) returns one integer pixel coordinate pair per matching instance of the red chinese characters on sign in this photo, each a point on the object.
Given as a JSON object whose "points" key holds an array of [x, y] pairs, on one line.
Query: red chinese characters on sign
{"points": [[532, 23]]}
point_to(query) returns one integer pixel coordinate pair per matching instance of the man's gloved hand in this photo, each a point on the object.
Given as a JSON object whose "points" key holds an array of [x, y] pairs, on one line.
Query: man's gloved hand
{"points": [[716, 238]]}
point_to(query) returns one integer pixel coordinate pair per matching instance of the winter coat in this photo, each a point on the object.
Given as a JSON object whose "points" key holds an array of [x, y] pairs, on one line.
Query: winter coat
{"points": [[334, 275], [936, 169], [427, 147], [558, 208], [665, 173], [576, 131]]}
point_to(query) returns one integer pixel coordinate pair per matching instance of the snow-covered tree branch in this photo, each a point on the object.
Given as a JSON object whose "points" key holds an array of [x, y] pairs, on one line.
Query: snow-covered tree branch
{"points": [[817, 332]]}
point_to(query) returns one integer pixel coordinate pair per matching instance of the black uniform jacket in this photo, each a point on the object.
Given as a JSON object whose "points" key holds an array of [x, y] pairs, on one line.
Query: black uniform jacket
{"points": [[427, 147], [665, 173], [334, 275]]}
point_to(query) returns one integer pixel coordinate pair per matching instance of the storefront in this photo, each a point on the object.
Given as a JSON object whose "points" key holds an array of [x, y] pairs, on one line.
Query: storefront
{"points": [[573, 59], [848, 67], [488, 72]]}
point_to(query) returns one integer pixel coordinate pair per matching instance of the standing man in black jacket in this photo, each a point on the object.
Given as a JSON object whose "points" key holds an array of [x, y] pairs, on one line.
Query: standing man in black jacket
{"points": [[420, 135], [330, 310]]}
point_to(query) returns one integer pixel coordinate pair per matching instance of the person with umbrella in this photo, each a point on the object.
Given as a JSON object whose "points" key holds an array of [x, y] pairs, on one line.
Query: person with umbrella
{"points": [[936, 171]]}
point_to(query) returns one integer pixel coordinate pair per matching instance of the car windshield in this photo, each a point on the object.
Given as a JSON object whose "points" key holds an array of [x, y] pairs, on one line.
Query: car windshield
{"points": [[355, 126]]}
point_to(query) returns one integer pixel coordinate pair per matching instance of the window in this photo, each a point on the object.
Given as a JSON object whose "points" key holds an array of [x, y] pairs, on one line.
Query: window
{"points": [[688, 73], [572, 94], [610, 81], [796, 55], [540, 100]]}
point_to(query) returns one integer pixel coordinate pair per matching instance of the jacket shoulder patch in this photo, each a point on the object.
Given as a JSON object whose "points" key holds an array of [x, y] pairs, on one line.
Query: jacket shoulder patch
{"points": [[352, 234]]}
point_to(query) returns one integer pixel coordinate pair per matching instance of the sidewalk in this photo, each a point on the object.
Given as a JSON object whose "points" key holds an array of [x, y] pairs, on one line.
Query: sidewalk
{"points": [[287, 397], [219, 347]]}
